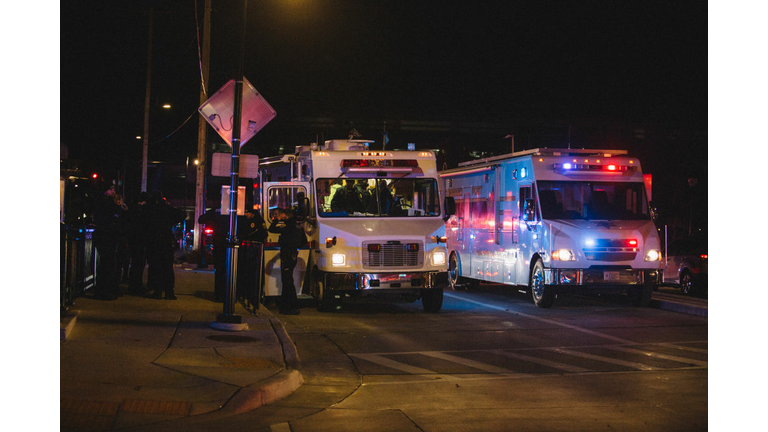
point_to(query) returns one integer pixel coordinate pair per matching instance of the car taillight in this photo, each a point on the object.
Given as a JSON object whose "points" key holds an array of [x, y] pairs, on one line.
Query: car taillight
{"points": [[704, 256]]}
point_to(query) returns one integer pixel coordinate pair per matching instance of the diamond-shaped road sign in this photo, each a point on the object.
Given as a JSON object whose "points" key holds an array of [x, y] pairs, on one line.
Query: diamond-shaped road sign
{"points": [[219, 111]]}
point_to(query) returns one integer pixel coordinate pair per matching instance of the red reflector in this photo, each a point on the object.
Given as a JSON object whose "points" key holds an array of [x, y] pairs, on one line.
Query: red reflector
{"points": [[412, 247], [374, 247]]}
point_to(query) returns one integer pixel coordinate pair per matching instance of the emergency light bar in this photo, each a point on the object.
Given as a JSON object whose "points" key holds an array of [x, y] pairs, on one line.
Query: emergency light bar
{"points": [[374, 165], [576, 167]]}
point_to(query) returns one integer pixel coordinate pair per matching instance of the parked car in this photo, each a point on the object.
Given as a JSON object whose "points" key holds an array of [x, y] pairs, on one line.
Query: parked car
{"points": [[686, 265]]}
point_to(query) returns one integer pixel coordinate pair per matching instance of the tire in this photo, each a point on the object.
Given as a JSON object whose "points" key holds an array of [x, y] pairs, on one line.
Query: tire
{"points": [[543, 295], [322, 302], [432, 299], [453, 271], [641, 296], [686, 282]]}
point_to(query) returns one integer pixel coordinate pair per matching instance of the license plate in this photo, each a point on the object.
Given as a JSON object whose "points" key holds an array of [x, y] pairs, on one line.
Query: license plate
{"points": [[611, 276]]}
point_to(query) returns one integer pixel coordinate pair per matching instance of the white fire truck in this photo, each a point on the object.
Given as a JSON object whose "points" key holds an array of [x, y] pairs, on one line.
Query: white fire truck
{"points": [[374, 221], [554, 220]]}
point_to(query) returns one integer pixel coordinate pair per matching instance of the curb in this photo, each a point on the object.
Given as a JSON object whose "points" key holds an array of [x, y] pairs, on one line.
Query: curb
{"points": [[264, 392], [680, 307], [67, 323]]}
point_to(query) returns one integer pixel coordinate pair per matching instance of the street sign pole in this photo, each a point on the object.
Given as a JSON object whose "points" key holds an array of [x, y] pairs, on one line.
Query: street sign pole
{"points": [[228, 316]]}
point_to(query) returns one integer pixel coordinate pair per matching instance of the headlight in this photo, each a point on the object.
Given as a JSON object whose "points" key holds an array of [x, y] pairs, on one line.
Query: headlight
{"points": [[653, 255], [438, 258], [563, 255], [338, 260]]}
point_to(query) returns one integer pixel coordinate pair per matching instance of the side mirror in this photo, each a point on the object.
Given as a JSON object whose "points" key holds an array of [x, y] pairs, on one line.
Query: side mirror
{"points": [[654, 211], [449, 205], [530, 211]]}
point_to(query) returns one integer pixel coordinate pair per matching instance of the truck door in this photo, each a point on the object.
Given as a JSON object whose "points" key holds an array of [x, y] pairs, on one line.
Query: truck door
{"points": [[282, 195], [527, 233]]}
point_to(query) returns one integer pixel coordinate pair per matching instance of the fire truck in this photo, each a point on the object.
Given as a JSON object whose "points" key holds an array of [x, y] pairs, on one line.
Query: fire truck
{"points": [[373, 218], [554, 220]]}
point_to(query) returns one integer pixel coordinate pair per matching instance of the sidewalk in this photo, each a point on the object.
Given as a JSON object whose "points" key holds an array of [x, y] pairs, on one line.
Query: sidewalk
{"points": [[135, 361]]}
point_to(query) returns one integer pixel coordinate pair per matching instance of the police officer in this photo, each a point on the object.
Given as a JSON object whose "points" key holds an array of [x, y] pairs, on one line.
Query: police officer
{"points": [[137, 244], [291, 237], [251, 232], [162, 216], [106, 215]]}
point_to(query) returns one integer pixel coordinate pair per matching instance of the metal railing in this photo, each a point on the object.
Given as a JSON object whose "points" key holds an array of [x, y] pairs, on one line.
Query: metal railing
{"points": [[78, 263]]}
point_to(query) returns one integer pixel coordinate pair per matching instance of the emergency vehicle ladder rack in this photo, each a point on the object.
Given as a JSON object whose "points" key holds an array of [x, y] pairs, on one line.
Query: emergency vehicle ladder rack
{"points": [[548, 152]]}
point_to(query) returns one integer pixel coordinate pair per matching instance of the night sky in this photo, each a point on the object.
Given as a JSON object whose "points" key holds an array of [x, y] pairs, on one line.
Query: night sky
{"points": [[607, 60]]}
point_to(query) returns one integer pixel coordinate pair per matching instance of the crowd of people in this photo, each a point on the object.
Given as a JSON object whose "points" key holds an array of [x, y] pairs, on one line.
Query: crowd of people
{"points": [[357, 196], [127, 239]]}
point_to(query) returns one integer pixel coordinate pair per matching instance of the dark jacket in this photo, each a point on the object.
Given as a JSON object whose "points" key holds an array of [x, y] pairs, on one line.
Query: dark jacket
{"points": [[292, 235]]}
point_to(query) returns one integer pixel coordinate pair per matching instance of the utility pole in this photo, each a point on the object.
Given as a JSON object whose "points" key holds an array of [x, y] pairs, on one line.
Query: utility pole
{"points": [[202, 148], [145, 149]]}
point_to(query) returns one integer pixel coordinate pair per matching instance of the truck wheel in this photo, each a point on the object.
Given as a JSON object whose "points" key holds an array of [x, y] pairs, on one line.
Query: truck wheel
{"points": [[543, 295], [453, 270], [686, 282], [323, 302], [641, 296], [432, 299]]}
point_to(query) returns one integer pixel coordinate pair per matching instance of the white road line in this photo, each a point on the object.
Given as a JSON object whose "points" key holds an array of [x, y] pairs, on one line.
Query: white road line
{"points": [[392, 364], [629, 364], [658, 355], [543, 362], [544, 320], [466, 362], [685, 348]]}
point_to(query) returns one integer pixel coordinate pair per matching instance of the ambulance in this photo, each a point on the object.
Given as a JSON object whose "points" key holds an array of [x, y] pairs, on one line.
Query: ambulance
{"points": [[554, 220], [373, 218]]}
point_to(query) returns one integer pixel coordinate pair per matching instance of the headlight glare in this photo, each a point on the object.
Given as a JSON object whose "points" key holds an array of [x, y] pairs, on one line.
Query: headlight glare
{"points": [[653, 255], [563, 255]]}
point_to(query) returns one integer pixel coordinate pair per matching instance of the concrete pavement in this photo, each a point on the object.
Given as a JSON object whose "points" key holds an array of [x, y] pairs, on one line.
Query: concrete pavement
{"points": [[136, 361]]}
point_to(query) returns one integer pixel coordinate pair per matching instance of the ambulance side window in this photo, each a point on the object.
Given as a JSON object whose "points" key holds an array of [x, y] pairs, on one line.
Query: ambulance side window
{"points": [[526, 201]]}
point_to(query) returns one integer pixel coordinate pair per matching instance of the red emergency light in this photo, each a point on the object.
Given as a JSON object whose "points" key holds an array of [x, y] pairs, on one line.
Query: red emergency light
{"points": [[577, 167], [208, 230]]}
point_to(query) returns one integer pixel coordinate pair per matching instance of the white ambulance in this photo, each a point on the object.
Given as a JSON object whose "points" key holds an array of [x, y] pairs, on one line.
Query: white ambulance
{"points": [[554, 220], [374, 220]]}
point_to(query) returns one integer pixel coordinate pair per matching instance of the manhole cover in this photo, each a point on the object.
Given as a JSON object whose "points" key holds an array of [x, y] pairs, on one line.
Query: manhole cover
{"points": [[231, 338]]}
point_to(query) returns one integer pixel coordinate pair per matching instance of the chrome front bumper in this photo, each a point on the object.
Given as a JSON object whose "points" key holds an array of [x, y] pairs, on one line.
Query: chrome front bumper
{"points": [[385, 281], [601, 276]]}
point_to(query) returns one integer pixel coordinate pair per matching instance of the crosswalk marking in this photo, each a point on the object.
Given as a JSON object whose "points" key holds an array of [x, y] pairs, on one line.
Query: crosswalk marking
{"points": [[684, 348], [383, 361], [531, 356], [543, 362], [658, 355], [466, 362], [629, 364]]}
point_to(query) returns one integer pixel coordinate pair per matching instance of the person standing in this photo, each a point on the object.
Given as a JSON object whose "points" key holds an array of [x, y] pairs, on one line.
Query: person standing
{"points": [[137, 244], [291, 238], [251, 232], [105, 236], [162, 217]]}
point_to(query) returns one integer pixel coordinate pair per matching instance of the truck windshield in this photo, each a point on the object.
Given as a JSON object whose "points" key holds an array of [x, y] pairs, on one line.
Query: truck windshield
{"points": [[592, 200], [376, 197]]}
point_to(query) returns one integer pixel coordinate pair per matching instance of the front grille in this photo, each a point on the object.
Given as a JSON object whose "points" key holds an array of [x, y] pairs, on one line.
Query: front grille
{"points": [[609, 256], [610, 250], [392, 255]]}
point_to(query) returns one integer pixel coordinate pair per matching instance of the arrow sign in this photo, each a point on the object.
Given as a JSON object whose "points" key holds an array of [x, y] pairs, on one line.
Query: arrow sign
{"points": [[219, 111]]}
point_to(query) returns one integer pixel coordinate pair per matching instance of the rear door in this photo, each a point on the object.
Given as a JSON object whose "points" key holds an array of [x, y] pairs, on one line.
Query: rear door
{"points": [[281, 195]]}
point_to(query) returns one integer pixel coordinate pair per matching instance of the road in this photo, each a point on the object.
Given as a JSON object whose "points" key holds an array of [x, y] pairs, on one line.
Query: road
{"points": [[491, 360]]}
